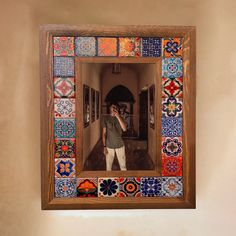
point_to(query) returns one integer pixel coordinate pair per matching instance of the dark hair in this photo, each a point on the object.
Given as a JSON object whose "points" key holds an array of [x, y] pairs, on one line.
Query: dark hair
{"points": [[114, 104]]}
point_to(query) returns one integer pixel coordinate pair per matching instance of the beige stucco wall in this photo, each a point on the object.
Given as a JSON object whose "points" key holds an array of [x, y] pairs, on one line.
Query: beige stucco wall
{"points": [[20, 126], [91, 134]]}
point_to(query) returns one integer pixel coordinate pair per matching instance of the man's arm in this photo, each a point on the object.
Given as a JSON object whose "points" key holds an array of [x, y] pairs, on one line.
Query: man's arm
{"points": [[121, 121], [104, 132]]}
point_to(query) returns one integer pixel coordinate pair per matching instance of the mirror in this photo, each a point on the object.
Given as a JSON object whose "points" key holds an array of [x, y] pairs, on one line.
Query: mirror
{"points": [[130, 87]]}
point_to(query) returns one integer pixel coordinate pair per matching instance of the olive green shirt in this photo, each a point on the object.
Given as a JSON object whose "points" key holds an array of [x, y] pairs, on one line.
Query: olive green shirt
{"points": [[113, 132]]}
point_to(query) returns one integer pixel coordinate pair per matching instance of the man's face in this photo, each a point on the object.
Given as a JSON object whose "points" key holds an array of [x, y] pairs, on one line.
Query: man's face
{"points": [[113, 110]]}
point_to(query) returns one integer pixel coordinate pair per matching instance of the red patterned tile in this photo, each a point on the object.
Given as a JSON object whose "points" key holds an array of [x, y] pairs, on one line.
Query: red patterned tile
{"points": [[172, 166], [63, 46], [64, 87]]}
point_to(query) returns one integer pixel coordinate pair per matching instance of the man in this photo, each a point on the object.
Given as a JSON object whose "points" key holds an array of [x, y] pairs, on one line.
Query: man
{"points": [[113, 125]]}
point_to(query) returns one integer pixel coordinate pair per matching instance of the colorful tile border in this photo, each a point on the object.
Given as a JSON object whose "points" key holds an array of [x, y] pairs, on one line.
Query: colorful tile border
{"points": [[129, 187], [108, 187], [151, 47], [87, 187], [63, 46], [170, 184], [129, 47], [64, 87], [64, 148], [151, 186], [172, 47], [63, 67], [85, 46], [65, 167], [107, 46], [65, 187]]}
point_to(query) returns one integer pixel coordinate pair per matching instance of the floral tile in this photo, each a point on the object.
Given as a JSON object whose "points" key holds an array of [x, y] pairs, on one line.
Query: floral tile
{"points": [[172, 67], [172, 107], [108, 187], [129, 47], [150, 186], [171, 166], [172, 127], [63, 46], [172, 146], [64, 107], [151, 47], [64, 167], [64, 87], [63, 67], [64, 148], [87, 187], [172, 187], [64, 128], [129, 187], [65, 188], [85, 46], [107, 46], [172, 47], [172, 87]]}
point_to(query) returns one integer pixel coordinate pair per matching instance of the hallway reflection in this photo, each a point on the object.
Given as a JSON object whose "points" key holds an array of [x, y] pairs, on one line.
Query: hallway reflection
{"points": [[137, 157], [130, 90]]}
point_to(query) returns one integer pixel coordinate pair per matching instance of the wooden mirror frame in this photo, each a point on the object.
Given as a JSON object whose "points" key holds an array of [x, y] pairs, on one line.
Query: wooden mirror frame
{"points": [[47, 32]]}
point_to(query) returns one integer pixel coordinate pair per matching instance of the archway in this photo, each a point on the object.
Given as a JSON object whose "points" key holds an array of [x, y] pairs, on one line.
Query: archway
{"points": [[124, 97]]}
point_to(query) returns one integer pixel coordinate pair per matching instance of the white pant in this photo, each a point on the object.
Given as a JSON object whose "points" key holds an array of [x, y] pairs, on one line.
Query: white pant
{"points": [[120, 153]]}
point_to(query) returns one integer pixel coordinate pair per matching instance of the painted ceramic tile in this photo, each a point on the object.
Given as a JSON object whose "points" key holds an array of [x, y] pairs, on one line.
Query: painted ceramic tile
{"points": [[63, 46], [64, 148], [172, 126], [172, 107], [65, 188], [130, 47], [107, 46], [172, 187], [129, 187], [151, 47], [64, 128], [172, 47], [171, 166], [85, 46], [64, 87], [64, 107], [64, 167], [172, 87], [172, 147], [87, 187], [150, 186], [172, 67], [63, 66], [108, 187]]}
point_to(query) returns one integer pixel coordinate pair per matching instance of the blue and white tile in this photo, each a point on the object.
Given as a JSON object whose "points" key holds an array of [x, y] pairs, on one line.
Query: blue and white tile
{"points": [[63, 66], [172, 126]]}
